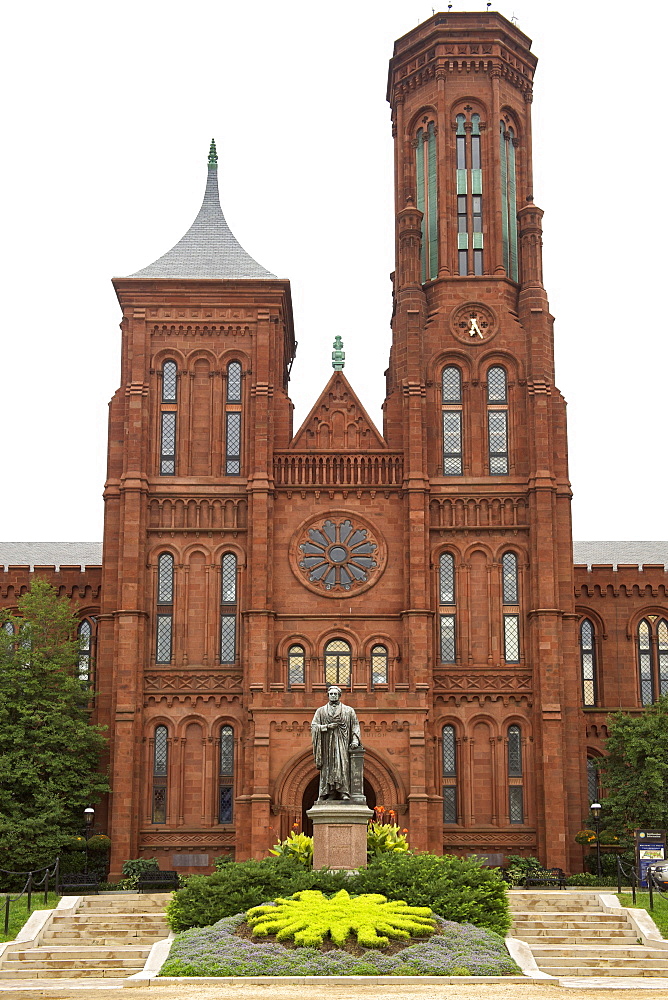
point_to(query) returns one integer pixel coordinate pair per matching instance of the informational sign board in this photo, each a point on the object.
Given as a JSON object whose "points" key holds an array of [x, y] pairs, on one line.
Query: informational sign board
{"points": [[650, 847]]}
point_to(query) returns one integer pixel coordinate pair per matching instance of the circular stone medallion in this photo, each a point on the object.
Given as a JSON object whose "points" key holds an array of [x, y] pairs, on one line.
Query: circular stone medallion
{"points": [[473, 323], [337, 554]]}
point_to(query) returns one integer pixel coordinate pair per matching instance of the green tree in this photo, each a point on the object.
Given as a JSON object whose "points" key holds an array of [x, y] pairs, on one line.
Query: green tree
{"points": [[634, 772], [49, 751]]}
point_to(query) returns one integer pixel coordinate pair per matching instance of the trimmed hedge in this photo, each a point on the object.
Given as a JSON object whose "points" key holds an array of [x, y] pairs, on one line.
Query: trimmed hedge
{"points": [[456, 889]]}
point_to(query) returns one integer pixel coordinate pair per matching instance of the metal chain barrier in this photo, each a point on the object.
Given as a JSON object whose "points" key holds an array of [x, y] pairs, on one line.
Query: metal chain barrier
{"points": [[32, 884]]}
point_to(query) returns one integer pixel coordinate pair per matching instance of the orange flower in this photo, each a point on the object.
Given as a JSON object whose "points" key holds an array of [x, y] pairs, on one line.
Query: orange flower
{"points": [[405, 830]]}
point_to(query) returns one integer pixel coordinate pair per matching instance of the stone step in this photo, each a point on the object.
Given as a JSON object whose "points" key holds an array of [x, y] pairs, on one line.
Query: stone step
{"points": [[85, 954], [98, 973], [611, 953], [91, 963], [613, 971], [595, 962], [103, 942], [557, 915], [587, 941]]}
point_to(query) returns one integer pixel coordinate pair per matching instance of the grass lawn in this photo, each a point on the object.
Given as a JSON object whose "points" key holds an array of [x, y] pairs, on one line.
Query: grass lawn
{"points": [[18, 912], [660, 912]]}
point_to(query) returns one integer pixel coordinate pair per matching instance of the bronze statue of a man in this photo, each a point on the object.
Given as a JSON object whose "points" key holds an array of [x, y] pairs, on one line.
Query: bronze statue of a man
{"points": [[334, 729]]}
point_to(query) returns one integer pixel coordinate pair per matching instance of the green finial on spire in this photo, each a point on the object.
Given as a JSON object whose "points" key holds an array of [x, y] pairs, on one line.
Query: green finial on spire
{"points": [[338, 355], [213, 156]]}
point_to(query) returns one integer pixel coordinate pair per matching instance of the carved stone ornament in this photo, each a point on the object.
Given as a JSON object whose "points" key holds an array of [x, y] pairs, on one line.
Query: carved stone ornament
{"points": [[473, 323], [337, 554]]}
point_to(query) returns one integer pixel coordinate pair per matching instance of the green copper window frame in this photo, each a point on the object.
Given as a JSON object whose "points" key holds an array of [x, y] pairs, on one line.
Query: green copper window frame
{"points": [[426, 183], [508, 180]]}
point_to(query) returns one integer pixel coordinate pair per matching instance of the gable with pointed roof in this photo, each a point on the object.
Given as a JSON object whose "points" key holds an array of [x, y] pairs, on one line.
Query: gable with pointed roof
{"points": [[338, 421], [209, 249]]}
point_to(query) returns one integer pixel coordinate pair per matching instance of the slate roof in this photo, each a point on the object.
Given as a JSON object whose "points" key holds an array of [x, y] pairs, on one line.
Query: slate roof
{"points": [[50, 554], [209, 249], [630, 553]]}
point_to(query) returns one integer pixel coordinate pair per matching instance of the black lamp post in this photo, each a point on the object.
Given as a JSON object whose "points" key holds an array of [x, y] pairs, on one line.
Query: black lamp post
{"points": [[89, 815], [596, 813]]}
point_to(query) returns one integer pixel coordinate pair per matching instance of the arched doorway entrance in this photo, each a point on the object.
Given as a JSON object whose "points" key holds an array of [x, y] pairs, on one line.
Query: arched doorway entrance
{"points": [[311, 794]]}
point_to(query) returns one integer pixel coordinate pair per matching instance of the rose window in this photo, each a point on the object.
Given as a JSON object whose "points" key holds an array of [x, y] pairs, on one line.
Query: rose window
{"points": [[338, 554]]}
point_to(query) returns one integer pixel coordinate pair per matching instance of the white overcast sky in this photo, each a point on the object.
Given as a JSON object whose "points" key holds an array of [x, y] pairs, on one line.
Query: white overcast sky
{"points": [[108, 113]]}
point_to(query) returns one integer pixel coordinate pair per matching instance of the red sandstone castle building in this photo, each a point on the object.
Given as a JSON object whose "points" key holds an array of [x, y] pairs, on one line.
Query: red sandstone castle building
{"points": [[426, 569]]}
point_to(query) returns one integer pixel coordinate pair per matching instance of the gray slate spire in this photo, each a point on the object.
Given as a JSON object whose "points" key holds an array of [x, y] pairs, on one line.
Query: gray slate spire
{"points": [[209, 249]]}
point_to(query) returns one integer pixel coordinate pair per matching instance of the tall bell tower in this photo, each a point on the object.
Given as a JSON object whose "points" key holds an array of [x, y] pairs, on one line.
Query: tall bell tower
{"points": [[472, 402]]}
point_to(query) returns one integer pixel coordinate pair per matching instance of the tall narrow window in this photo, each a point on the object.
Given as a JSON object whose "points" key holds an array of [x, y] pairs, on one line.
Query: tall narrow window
{"points": [[85, 633], [233, 420], [426, 170], [593, 786], [653, 658], [588, 663], [165, 612], [228, 612], [497, 421], [449, 763], [169, 382], [447, 615], [515, 775], [379, 672], [469, 195], [226, 776], [338, 663], [508, 143], [296, 660], [159, 791], [8, 627], [451, 402], [168, 419], [511, 600]]}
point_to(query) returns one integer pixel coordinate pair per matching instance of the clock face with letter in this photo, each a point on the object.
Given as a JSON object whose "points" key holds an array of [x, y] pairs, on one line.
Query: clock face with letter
{"points": [[337, 554], [473, 323]]}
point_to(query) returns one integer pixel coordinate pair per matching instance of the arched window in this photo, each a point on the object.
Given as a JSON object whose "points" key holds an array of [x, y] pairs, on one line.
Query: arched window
{"points": [[451, 404], [169, 382], [469, 195], [508, 143], [515, 775], [233, 420], [653, 658], [447, 612], [426, 172], [226, 775], [165, 612], [511, 601], [449, 768], [8, 627], [85, 634], [593, 785], [497, 421], [168, 419], [379, 671], [228, 612], [338, 663], [159, 796], [296, 663], [588, 662]]}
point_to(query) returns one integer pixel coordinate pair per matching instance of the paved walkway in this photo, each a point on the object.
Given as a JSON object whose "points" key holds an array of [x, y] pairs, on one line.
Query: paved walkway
{"points": [[578, 989]]}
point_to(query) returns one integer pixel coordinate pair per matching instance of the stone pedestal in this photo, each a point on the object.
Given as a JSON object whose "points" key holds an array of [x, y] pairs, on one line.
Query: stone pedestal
{"points": [[339, 834]]}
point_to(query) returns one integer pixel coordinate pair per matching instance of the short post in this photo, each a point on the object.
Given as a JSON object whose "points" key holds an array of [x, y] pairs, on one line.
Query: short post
{"points": [[596, 813], [619, 873], [650, 886], [634, 877], [29, 887], [6, 914], [46, 887]]}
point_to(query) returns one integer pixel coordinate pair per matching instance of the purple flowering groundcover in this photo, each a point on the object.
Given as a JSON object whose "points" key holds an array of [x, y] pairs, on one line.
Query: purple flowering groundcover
{"points": [[455, 950]]}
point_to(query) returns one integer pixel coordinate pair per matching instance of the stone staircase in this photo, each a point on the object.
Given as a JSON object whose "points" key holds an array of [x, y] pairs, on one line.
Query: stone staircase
{"points": [[108, 937], [572, 934]]}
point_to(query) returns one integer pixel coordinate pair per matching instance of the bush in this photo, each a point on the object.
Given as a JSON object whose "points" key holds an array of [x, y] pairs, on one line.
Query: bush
{"points": [[240, 885], [593, 880], [608, 862], [382, 838], [297, 846], [456, 889], [519, 867], [140, 865]]}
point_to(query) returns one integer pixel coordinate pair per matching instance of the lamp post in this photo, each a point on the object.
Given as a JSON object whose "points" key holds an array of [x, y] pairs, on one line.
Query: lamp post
{"points": [[89, 814], [596, 813]]}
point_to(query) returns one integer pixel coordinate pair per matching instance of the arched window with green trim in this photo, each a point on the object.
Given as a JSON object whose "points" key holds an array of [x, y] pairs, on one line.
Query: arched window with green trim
{"points": [[470, 239], [508, 144], [426, 165]]}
